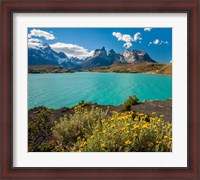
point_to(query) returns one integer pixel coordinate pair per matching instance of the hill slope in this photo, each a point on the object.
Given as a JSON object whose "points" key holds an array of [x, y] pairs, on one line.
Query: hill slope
{"points": [[150, 68]]}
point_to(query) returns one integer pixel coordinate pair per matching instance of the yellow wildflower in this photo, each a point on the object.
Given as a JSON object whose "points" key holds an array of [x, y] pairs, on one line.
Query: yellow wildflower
{"points": [[91, 137], [170, 139], [115, 112], [135, 134], [102, 146], [83, 144], [152, 119], [103, 120], [112, 126], [122, 129], [165, 137], [135, 126], [119, 119], [104, 131], [128, 142], [136, 119], [128, 125], [170, 125], [145, 126], [153, 113]]}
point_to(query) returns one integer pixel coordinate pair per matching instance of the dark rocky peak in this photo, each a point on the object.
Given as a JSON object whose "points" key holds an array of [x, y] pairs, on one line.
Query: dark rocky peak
{"points": [[62, 55], [76, 60], [46, 46], [100, 52], [112, 53]]}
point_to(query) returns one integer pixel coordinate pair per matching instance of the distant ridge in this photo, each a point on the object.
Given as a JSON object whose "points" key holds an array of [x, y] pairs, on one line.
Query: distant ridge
{"points": [[44, 55]]}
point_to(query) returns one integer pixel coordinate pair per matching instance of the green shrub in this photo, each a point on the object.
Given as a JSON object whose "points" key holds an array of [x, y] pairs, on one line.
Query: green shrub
{"points": [[77, 126], [132, 100], [82, 103], [94, 131], [39, 130]]}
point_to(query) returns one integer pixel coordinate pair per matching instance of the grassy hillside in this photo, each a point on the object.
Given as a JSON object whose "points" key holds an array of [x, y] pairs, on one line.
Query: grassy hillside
{"points": [[150, 68], [166, 69], [47, 69]]}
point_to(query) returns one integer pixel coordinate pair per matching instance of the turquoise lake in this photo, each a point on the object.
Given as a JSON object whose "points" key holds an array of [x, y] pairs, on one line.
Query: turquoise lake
{"points": [[68, 89]]}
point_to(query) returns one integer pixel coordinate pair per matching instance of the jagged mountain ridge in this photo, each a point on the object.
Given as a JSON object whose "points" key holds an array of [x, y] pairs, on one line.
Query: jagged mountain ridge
{"points": [[137, 56], [46, 56]]}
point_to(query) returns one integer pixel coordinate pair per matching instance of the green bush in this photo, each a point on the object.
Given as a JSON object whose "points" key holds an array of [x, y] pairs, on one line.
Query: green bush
{"points": [[132, 100], [94, 131], [39, 130], [82, 103], [77, 126]]}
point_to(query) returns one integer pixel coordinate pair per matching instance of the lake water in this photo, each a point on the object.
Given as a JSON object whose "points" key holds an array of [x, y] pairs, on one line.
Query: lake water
{"points": [[67, 89]]}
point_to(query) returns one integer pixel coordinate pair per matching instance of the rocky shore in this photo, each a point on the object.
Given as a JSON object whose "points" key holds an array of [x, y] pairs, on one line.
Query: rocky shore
{"points": [[147, 107]]}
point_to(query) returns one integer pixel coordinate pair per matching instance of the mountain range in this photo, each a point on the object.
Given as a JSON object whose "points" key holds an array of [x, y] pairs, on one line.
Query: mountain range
{"points": [[45, 55]]}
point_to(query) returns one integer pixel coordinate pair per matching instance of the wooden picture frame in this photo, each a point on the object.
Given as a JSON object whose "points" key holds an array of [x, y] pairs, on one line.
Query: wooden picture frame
{"points": [[191, 7]]}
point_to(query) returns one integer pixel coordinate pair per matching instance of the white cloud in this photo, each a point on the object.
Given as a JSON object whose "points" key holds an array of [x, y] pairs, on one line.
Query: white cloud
{"points": [[163, 42], [122, 37], [40, 33], [29, 36], [158, 42], [118, 35], [34, 40], [147, 29], [137, 37], [34, 43], [72, 50], [127, 38], [127, 45]]}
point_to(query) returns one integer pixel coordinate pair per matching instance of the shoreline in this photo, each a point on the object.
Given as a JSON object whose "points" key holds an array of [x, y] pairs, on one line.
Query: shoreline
{"points": [[143, 68], [96, 72], [162, 107]]}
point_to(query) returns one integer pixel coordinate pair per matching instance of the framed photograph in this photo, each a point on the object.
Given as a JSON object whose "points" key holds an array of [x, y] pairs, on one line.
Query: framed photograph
{"points": [[99, 89]]}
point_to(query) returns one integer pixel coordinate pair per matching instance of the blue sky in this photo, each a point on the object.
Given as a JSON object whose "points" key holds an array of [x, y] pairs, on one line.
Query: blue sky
{"points": [[81, 42]]}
